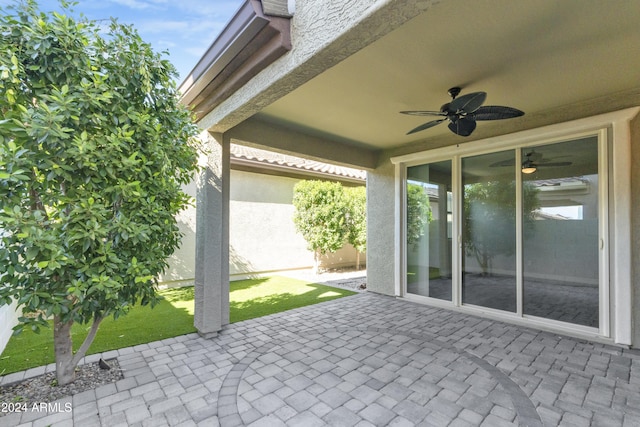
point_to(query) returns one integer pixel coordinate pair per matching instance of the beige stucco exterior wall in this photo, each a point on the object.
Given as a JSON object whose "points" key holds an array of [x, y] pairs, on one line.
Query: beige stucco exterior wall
{"points": [[183, 261], [635, 228], [262, 237], [381, 222]]}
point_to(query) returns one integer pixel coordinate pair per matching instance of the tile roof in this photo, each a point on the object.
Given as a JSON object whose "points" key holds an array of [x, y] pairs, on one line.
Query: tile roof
{"points": [[256, 155]]}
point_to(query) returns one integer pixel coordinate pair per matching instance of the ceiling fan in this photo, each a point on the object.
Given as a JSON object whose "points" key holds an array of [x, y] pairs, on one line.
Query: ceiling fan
{"points": [[463, 112], [531, 162]]}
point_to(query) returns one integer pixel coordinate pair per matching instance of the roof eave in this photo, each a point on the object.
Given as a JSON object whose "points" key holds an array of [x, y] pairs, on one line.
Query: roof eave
{"points": [[250, 42]]}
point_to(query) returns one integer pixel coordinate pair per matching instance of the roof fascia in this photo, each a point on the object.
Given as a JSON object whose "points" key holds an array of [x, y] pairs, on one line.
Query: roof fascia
{"points": [[249, 43]]}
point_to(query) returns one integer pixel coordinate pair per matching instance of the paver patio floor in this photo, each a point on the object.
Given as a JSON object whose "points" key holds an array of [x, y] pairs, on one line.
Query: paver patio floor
{"points": [[360, 361]]}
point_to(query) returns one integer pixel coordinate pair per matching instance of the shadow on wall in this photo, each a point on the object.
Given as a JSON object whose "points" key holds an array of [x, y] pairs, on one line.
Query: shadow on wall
{"points": [[182, 262], [239, 265], [180, 267]]}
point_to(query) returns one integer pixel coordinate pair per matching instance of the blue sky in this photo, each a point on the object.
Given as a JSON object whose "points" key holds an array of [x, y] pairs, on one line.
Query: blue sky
{"points": [[183, 27]]}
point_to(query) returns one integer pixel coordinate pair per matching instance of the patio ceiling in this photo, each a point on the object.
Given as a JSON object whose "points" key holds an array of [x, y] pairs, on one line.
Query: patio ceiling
{"points": [[555, 60]]}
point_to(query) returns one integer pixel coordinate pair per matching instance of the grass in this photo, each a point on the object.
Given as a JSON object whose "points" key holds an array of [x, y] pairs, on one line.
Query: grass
{"points": [[172, 317]]}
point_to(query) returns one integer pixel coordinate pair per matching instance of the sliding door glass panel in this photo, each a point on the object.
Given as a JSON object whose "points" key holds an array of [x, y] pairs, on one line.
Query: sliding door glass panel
{"points": [[489, 231], [560, 232], [428, 222]]}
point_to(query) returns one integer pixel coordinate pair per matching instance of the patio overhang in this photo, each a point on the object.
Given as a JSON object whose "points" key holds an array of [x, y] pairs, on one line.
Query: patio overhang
{"points": [[354, 65], [254, 132], [351, 69]]}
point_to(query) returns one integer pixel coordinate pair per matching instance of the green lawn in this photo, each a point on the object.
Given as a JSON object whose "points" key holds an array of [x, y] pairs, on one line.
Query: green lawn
{"points": [[172, 317]]}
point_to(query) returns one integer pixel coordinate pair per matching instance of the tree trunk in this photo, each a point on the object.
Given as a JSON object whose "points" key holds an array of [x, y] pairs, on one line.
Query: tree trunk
{"points": [[357, 259], [66, 361], [483, 261], [65, 369]]}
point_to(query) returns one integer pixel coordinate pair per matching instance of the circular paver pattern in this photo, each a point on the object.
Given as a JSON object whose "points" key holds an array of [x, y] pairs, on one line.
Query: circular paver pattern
{"points": [[342, 376]]}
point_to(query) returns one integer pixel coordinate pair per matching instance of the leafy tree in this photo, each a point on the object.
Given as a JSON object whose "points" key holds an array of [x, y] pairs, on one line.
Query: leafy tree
{"points": [[320, 212], [94, 149], [489, 227], [356, 221], [418, 212]]}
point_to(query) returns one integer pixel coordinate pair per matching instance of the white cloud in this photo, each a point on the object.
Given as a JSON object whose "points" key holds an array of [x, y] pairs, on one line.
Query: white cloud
{"points": [[215, 8], [134, 4], [161, 43], [161, 26]]}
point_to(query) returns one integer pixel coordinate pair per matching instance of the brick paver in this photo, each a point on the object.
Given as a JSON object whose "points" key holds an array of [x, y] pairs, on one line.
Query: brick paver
{"points": [[362, 360]]}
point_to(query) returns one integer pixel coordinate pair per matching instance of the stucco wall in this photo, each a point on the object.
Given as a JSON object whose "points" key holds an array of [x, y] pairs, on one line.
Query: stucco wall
{"points": [[635, 228], [183, 261], [381, 225], [262, 237]]}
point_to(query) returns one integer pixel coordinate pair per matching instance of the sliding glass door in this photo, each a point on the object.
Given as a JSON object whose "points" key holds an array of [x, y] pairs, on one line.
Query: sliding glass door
{"points": [[428, 231], [489, 231], [560, 245], [517, 230]]}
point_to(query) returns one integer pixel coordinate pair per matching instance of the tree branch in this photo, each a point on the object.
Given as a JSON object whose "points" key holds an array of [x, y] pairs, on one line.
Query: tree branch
{"points": [[36, 203], [87, 341]]}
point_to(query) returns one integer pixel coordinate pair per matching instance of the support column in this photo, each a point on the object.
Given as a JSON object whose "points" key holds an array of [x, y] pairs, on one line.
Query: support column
{"points": [[381, 226], [212, 236]]}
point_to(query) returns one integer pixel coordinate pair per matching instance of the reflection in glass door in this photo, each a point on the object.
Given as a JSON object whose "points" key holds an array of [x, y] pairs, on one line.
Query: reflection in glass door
{"points": [[489, 231], [560, 246], [428, 233]]}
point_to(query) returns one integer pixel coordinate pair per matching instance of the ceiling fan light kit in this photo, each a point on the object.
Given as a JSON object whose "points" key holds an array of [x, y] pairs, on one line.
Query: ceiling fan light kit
{"points": [[535, 160], [463, 112], [532, 161], [528, 167]]}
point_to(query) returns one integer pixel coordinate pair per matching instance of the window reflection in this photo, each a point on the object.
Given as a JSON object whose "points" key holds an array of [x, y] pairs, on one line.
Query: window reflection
{"points": [[489, 231], [429, 230], [560, 249]]}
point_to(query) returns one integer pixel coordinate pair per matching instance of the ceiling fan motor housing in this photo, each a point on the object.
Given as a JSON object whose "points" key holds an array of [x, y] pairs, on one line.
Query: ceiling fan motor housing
{"points": [[463, 112]]}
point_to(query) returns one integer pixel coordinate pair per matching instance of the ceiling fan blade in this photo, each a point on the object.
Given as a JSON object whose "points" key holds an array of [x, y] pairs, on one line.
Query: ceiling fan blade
{"points": [[463, 126], [534, 156], [509, 162], [468, 103], [424, 113], [425, 126], [496, 112], [554, 164]]}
